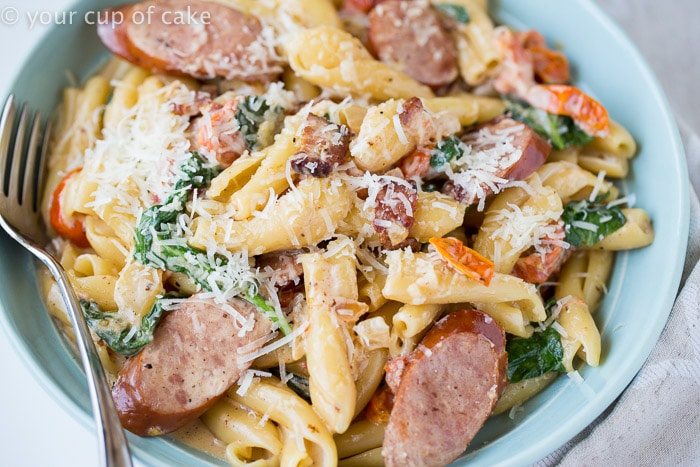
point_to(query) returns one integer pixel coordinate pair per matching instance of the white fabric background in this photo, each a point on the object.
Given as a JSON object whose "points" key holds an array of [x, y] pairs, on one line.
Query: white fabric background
{"points": [[656, 422]]}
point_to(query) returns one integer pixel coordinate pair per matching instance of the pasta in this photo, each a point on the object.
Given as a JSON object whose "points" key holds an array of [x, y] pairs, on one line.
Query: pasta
{"points": [[335, 209], [478, 53], [420, 278], [331, 385], [313, 55]]}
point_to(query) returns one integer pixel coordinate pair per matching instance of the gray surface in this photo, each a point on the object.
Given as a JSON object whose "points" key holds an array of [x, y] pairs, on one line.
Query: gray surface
{"points": [[676, 28]]}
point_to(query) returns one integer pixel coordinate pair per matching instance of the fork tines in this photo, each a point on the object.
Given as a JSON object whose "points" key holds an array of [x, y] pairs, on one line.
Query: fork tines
{"points": [[21, 159]]}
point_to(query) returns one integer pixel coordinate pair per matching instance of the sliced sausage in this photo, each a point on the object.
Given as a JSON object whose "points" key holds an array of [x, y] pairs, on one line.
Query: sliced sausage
{"points": [[502, 150], [282, 267], [324, 146], [505, 131], [193, 359], [195, 38], [112, 30], [415, 164], [423, 127], [409, 36], [537, 266], [445, 390], [394, 211], [358, 6]]}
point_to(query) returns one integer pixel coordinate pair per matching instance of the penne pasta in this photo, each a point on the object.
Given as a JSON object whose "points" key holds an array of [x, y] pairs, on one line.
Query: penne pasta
{"points": [[313, 55], [286, 249]]}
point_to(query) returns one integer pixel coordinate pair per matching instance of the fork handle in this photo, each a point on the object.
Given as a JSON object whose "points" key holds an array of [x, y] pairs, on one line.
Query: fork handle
{"points": [[112, 441]]}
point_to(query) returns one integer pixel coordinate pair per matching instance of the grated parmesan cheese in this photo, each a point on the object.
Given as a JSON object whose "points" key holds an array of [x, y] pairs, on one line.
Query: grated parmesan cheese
{"points": [[299, 329], [247, 378], [560, 329], [598, 186], [486, 156], [526, 227], [399, 129], [585, 225], [630, 200], [137, 161]]}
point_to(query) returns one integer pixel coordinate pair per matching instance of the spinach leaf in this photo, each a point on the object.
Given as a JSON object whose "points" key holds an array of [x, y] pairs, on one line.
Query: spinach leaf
{"points": [[586, 223], [200, 267], [534, 356], [195, 174], [456, 12], [560, 130], [445, 151], [250, 114], [157, 224], [300, 385], [111, 327], [297, 383]]}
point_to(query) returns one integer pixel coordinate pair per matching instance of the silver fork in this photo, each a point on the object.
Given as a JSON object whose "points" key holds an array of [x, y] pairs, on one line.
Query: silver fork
{"points": [[22, 167]]}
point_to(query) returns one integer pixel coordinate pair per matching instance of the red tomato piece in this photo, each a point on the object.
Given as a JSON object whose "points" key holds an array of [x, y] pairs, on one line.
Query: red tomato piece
{"points": [[70, 228]]}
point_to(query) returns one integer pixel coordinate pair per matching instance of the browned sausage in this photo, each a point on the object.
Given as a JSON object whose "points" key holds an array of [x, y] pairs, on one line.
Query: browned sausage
{"points": [[195, 38], [519, 152], [394, 210], [324, 146], [537, 266], [112, 31], [409, 36], [445, 390], [282, 267], [190, 364], [534, 148], [358, 6]]}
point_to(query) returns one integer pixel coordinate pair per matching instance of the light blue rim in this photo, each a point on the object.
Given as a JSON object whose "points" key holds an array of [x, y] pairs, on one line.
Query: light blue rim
{"points": [[659, 179]]}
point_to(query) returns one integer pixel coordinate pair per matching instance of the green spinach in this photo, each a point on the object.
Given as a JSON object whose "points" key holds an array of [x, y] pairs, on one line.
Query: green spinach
{"points": [[560, 130], [157, 225], [588, 222], [445, 151], [534, 356], [113, 329], [251, 113], [456, 12]]}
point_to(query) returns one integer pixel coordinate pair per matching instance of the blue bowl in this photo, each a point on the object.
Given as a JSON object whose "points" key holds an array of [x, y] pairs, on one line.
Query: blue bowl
{"points": [[631, 318]]}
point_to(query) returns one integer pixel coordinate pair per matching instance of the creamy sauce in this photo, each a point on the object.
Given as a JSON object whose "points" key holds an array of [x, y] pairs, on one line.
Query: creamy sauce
{"points": [[197, 436]]}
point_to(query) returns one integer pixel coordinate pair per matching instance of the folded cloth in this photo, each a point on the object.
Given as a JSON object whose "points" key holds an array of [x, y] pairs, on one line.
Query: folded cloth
{"points": [[656, 420]]}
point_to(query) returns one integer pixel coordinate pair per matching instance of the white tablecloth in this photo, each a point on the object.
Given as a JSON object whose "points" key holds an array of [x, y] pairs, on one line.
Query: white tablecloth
{"points": [[656, 421]]}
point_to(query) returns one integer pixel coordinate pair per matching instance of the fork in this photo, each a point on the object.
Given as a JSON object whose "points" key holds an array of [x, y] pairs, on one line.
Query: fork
{"points": [[22, 166]]}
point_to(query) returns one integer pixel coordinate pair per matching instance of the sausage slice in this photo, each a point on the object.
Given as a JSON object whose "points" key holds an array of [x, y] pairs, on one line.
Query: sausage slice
{"points": [[191, 362], [195, 38], [394, 212], [445, 390], [324, 146], [410, 36], [282, 267], [503, 148], [537, 267]]}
